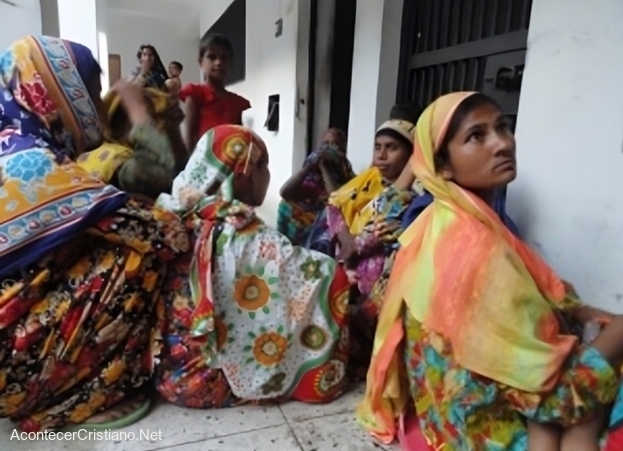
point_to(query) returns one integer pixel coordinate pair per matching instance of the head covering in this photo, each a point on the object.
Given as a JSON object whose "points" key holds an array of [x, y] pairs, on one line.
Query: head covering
{"points": [[47, 117], [208, 177], [158, 76], [294, 218], [462, 274], [118, 147], [403, 128]]}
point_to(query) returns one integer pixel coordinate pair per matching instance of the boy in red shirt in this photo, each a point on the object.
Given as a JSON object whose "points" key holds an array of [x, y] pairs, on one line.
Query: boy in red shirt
{"points": [[210, 104]]}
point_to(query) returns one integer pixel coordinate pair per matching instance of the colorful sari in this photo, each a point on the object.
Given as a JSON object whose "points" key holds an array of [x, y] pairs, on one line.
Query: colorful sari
{"points": [[294, 219], [44, 197], [251, 318], [469, 323], [79, 282]]}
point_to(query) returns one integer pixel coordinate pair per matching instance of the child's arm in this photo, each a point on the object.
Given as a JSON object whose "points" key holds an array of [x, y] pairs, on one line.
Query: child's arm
{"points": [[191, 124]]}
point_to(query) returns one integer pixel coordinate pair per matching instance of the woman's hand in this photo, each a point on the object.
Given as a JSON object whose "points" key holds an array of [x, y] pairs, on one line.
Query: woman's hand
{"points": [[387, 231], [586, 314], [348, 249]]}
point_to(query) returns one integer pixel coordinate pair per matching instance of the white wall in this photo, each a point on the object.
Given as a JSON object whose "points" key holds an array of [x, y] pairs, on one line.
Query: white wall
{"points": [[171, 27], [375, 74], [272, 67], [568, 196], [19, 21], [78, 23]]}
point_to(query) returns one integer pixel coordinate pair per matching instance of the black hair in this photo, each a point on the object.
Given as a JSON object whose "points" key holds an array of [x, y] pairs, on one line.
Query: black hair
{"points": [[215, 40], [397, 136], [179, 65], [442, 156], [158, 66], [406, 112]]}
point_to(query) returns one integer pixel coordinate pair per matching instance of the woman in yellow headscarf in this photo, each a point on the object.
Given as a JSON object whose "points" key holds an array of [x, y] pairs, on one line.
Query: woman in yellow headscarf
{"points": [[470, 320], [143, 149]]}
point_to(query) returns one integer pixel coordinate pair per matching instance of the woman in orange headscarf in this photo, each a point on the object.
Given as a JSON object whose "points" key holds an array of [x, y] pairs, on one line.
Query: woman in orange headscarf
{"points": [[478, 312]]}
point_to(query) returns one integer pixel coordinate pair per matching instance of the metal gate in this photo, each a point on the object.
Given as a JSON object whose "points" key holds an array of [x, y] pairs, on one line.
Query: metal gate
{"points": [[463, 45]]}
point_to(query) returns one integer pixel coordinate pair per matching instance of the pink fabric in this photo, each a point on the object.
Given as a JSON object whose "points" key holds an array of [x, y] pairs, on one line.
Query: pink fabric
{"points": [[410, 435]]}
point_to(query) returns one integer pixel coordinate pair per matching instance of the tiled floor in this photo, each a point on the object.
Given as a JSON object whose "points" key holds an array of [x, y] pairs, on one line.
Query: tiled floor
{"points": [[291, 427]]}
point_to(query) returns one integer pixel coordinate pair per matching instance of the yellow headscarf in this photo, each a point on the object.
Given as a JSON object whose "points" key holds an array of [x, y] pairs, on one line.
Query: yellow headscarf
{"points": [[355, 198], [104, 161], [462, 274]]}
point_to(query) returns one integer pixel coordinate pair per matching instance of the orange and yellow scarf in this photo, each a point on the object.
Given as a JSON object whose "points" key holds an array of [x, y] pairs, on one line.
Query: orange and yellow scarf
{"points": [[462, 274]]}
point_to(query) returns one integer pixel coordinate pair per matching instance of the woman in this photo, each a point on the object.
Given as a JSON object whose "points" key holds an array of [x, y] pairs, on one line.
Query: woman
{"points": [[470, 318], [351, 208], [80, 265], [151, 72], [144, 150], [251, 318], [305, 194]]}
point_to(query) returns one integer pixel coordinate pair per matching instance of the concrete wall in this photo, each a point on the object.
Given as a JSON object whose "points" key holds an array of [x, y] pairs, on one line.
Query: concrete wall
{"points": [[273, 66], [375, 74], [19, 21], [567, 198], [171, 27]]}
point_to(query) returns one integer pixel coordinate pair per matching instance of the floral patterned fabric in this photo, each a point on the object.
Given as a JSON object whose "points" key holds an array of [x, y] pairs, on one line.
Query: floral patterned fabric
{"points": [[252, 317], [47, 118], [77, 329], [295, 219], [485, 415]]}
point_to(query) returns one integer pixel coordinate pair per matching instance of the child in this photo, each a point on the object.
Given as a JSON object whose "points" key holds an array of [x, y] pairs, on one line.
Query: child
{"points": [[174, 83], [210, 104]]}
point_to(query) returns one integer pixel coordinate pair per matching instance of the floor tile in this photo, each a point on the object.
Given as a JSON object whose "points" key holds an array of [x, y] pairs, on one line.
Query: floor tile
{"points": [[277, 438], [298, 411], [178, 426], [337, 432]]}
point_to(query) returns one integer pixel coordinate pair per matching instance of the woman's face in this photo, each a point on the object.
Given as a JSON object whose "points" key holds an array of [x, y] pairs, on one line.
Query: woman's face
{"points": [[482, 153], [332, 140], [148, 58], [251, 188], [216, 63], [390, 156]]}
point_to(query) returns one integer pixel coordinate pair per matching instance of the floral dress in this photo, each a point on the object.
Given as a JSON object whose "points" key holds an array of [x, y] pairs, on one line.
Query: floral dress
{"points": [[465, 411], [280, 321], [77, 329]]}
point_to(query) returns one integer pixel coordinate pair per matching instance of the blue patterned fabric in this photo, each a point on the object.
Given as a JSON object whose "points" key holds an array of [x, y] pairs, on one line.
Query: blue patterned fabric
{"points": [[47, 118], [421, 202]]}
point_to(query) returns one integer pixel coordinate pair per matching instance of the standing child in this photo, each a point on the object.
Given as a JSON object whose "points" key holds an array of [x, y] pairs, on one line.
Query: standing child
{"points": [[174, 83], [210, 104]]}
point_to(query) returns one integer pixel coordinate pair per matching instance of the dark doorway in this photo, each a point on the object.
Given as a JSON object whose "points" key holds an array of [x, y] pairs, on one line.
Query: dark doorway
{"points": [[343, 46], [342, 67], [463, 45]]}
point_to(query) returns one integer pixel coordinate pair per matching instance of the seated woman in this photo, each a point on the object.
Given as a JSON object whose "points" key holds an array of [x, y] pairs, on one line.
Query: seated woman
{"points": [[471, 313], [251, 318], [143, 149], [80, 265], [305, 194]]}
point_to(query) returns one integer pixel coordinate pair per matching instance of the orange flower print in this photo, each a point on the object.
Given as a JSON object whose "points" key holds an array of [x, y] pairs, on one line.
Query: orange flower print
{"points": [[252, 292], [269, 348]]}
